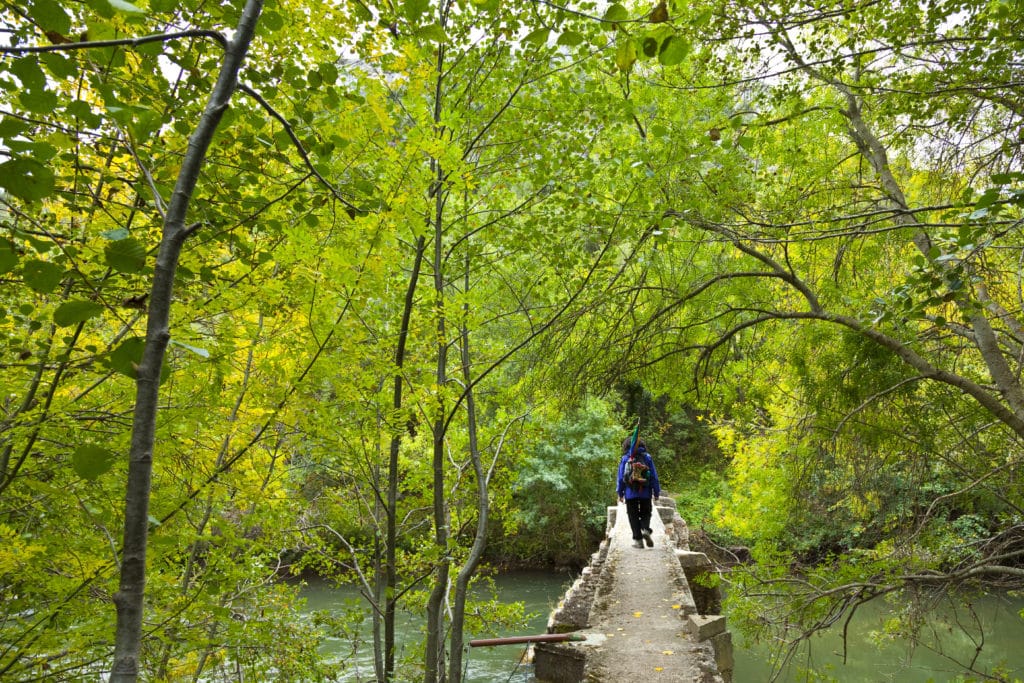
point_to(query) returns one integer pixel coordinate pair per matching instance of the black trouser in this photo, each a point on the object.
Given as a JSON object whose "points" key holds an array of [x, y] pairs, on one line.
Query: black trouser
{"points": [[639, 512]]}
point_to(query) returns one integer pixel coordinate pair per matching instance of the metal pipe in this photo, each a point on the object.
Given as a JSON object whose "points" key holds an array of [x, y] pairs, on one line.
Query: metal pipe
{"points": [[518, 640]]}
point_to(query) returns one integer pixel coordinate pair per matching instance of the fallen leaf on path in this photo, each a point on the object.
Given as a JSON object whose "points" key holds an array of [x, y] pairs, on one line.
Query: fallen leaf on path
{"points": [[667, 652], [677, 606], [659, 668], [638, 614]]}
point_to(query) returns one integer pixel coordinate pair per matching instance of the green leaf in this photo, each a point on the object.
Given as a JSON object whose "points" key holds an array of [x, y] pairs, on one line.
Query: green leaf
{"points": [[673, 51], [91, 461], [432, 33], [38, 101], [570, 39], [127, 356], [11, 127], [329, 72], [115, 234], [538, 37], [625, 55], [414, 9], [272, 21], [59, 66], [76, 311], [82, 110], [42, 276], [650, 46], [614, 14], [362, 12], [126, 7], [8, 256], [127, 255], [988, 198], [101, 7], [194, 349], [50, 16], [29, 73]]}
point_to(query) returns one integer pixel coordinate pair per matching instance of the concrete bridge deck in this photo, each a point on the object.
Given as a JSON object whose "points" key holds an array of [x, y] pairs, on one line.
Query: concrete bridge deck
{"points": [[643, 616]]}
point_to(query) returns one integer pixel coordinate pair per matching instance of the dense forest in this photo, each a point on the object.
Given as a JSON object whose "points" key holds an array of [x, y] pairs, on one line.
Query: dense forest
{"points": [[371, 290]]}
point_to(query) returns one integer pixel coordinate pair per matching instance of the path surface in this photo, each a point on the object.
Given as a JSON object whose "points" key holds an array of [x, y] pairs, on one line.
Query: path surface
{"points": [[639, 612]]}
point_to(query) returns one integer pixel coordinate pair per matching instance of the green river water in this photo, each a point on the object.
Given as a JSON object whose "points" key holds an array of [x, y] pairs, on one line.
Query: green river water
{"points": [[868, 660]]}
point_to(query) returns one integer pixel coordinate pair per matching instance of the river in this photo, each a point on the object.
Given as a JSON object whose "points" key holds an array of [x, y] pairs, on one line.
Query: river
{"points": [[869, 659], [538, 591]]}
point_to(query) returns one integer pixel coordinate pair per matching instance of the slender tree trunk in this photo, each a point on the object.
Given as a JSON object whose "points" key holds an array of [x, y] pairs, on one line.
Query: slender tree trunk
{"points": [[391, 559], [482, 506], [434, 655], [131, 590]]}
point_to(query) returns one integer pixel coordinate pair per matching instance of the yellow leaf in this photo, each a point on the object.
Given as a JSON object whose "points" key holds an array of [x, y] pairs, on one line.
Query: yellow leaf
{"points": [[659, 668], [667, 652], [676, 606], [638, 614]]}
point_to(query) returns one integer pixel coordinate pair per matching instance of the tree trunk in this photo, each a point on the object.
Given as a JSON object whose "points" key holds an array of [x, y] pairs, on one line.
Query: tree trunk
{"points": [[483, 503], [131, 590], [390, 559], [434, 656]]}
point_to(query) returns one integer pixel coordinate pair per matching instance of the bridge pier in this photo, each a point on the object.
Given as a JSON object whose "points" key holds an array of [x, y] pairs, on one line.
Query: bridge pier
{"points": [[646, 613]]}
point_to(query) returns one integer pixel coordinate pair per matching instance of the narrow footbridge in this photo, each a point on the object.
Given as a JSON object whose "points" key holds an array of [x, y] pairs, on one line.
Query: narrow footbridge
{"points": [[645, 613]]}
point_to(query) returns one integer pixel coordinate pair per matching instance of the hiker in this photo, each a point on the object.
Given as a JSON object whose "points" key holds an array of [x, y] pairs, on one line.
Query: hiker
{"points": [[637, 484]]}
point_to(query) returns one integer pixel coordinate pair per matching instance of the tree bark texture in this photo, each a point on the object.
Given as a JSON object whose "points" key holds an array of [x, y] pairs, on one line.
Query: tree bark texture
{"points": [[131, 590]]}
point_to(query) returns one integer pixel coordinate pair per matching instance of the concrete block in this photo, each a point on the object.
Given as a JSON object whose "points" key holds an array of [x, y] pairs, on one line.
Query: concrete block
{"points": [[667, 513], [706, 626], [723, 654], [691, 560]]}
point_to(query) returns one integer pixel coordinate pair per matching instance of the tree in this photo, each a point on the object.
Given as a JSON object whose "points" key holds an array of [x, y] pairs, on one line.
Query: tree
{"points": [[47, 210], [860, 142]]}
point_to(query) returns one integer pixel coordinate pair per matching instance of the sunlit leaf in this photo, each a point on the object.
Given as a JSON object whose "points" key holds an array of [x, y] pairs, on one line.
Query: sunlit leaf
{"points": [[673, 50], [126, 7], [538, 38], [625, 55], [616, 13], [570, 38], [414, 9], [432, 33]]}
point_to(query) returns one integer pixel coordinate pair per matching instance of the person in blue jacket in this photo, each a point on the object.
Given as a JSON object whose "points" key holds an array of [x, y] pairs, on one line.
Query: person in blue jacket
{"points": [[637, 485]]}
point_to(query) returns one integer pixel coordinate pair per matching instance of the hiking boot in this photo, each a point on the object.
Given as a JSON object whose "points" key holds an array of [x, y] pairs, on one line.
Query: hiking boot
{"points": [[647, 539], [638, 543]]}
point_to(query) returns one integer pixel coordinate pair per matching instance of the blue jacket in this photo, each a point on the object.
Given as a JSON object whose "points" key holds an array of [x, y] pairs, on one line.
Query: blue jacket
{"points": [[628, 492]]}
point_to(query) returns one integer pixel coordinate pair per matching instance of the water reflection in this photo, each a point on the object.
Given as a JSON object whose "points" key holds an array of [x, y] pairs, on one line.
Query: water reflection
{"points": [[993, 622], [538, 591]]}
